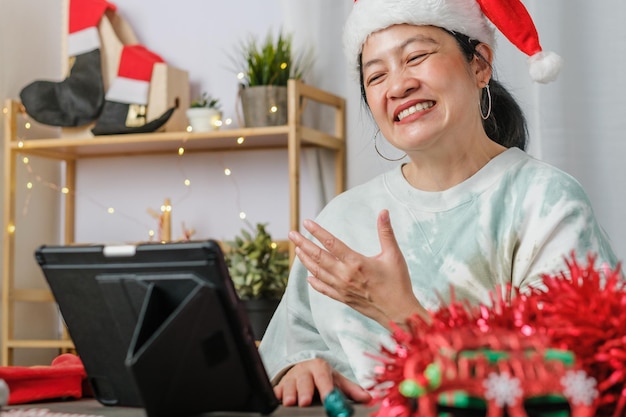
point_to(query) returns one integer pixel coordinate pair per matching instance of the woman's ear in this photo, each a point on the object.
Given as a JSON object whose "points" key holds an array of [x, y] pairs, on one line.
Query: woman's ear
{"points": [[483, 61]]}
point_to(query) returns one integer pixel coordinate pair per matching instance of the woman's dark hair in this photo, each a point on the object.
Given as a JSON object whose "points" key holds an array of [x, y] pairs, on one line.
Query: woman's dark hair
{"points": [[506, 123]]}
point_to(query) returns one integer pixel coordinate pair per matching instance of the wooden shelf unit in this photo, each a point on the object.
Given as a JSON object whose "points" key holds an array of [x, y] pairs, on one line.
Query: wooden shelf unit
{"points": [[293, 137]]}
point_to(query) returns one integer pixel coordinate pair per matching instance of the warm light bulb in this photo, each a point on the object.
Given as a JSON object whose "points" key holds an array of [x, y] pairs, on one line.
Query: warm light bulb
{"points": [[29, 185], [242, 215], [283, 65], [241, 76], [240, 140], [65, 190], [20, 144], [110, 210], [165, 208], [273, 245], [151, 233], [27, 125], [227, 171], [25, 160], [11, 228], [5, 110], [189, 129], [181, 151], [187, 182], [273, 109], [228, 121]]}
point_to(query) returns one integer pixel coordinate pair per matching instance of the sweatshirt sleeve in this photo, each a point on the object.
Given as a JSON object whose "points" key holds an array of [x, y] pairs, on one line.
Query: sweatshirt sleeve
{"points": [[557, 225], [292, 335]]}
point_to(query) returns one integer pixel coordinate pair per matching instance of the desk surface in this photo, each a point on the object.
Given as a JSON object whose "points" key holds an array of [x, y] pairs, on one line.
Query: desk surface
{"points": [[91, 407]]}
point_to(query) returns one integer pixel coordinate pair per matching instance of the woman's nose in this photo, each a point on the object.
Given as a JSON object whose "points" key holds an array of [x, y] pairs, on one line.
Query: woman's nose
{"points": [[401, 83]]}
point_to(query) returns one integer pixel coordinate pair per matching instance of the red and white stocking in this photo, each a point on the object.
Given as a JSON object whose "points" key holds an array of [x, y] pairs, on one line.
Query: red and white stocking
{"points": [[126, 100]]}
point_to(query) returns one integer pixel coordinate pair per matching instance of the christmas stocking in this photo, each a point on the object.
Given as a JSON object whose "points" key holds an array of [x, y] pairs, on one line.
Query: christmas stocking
{"points": [[126, 101], [78, 99]]}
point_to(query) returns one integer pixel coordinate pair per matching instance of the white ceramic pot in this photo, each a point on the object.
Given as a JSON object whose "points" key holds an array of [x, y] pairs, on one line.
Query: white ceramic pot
{"points": [[202, 119]]}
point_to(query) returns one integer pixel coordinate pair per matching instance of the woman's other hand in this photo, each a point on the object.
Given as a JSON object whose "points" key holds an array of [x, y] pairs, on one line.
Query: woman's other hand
{"points": [[299, 385]]}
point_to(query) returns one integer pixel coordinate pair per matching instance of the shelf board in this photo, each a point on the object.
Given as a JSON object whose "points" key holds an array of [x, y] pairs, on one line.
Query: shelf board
{"points": [[154, 143], [40, 343], [169, 142]]}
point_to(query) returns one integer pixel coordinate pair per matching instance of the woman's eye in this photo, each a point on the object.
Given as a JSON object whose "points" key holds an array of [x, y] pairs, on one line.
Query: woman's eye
{"points": [[373, 78], [417, 57]]}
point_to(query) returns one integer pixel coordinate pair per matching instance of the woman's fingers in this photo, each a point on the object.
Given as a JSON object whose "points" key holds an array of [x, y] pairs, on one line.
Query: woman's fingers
{"points": [[299, 385], [322, 263], [353, 391], [327, 239]]}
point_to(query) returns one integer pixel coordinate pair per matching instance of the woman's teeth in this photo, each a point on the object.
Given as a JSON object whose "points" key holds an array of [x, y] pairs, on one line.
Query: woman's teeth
{"points": [[413, 109]]}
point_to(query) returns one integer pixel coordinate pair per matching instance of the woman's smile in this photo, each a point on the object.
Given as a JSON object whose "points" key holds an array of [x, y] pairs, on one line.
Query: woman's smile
{"points": [[417, 108]]}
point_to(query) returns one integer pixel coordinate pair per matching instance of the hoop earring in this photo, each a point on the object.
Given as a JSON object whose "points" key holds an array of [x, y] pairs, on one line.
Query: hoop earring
{"points": [[380, 154], [480, 104]]}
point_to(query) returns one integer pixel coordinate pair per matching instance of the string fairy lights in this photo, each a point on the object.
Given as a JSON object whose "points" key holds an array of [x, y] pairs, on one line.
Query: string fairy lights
{"points": [[216, 123], [34, 180]]}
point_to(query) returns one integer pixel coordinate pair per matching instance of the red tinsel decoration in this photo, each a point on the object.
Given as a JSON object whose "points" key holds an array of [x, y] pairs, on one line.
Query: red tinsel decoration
{"points": [[584, 310], [581, 310]]}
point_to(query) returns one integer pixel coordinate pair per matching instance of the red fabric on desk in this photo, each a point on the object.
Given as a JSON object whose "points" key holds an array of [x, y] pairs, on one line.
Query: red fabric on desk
{"points": [[63, 378]]}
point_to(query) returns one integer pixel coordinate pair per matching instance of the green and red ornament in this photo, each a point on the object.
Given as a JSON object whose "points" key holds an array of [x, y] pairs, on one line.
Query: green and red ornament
{"points": [[560, 349]]}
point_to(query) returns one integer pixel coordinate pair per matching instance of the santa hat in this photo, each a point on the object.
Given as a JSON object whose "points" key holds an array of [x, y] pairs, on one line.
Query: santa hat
{"points": [[469, 17], [84, 17]]}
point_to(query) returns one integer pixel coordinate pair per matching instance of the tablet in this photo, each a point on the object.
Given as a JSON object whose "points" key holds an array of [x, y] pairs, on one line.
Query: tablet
{"points": [[159, 326]]}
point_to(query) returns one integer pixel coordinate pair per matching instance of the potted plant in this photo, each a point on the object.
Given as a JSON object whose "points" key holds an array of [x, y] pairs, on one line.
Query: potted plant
{"points": [[263, 71], [259, 270], [204, 113]]}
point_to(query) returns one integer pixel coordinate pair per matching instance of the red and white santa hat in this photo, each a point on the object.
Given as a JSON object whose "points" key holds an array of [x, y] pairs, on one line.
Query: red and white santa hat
{"points": [[132, 83], [473, 18], [84, 17]]}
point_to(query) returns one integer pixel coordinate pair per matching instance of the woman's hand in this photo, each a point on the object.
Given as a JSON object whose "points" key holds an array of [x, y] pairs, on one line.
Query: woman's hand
{"points": [[299, 384], [378, 287]]}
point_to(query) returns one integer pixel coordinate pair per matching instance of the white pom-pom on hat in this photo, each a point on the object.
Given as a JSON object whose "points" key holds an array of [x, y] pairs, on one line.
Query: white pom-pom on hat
{"points": [[469, 17], [544, 66]]}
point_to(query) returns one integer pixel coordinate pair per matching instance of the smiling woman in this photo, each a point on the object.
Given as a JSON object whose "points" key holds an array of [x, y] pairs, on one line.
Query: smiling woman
{"points": [[468, 214]]}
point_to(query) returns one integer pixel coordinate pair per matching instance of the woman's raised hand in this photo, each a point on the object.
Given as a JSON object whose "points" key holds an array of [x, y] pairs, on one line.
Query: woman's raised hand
{"points": [[378, 287]]}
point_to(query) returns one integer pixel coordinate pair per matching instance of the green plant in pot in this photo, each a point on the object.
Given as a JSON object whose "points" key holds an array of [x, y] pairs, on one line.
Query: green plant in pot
{"points": [[259, 270], [263, 71], [204, 113]]}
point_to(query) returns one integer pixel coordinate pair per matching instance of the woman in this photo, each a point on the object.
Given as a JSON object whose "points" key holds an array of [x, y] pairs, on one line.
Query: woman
{"points": [[470, 212]]}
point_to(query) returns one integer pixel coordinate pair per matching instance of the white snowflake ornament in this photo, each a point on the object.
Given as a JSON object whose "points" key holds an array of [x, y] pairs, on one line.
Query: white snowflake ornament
{"points": [[503, 388], [580, 388]]}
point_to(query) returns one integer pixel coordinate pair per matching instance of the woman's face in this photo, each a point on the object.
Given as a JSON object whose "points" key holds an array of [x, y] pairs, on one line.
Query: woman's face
{"points": [[421, 89]]}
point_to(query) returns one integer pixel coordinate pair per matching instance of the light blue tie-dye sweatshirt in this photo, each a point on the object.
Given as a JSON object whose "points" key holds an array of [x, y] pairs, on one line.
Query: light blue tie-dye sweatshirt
{"points": [[510, 222]]}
